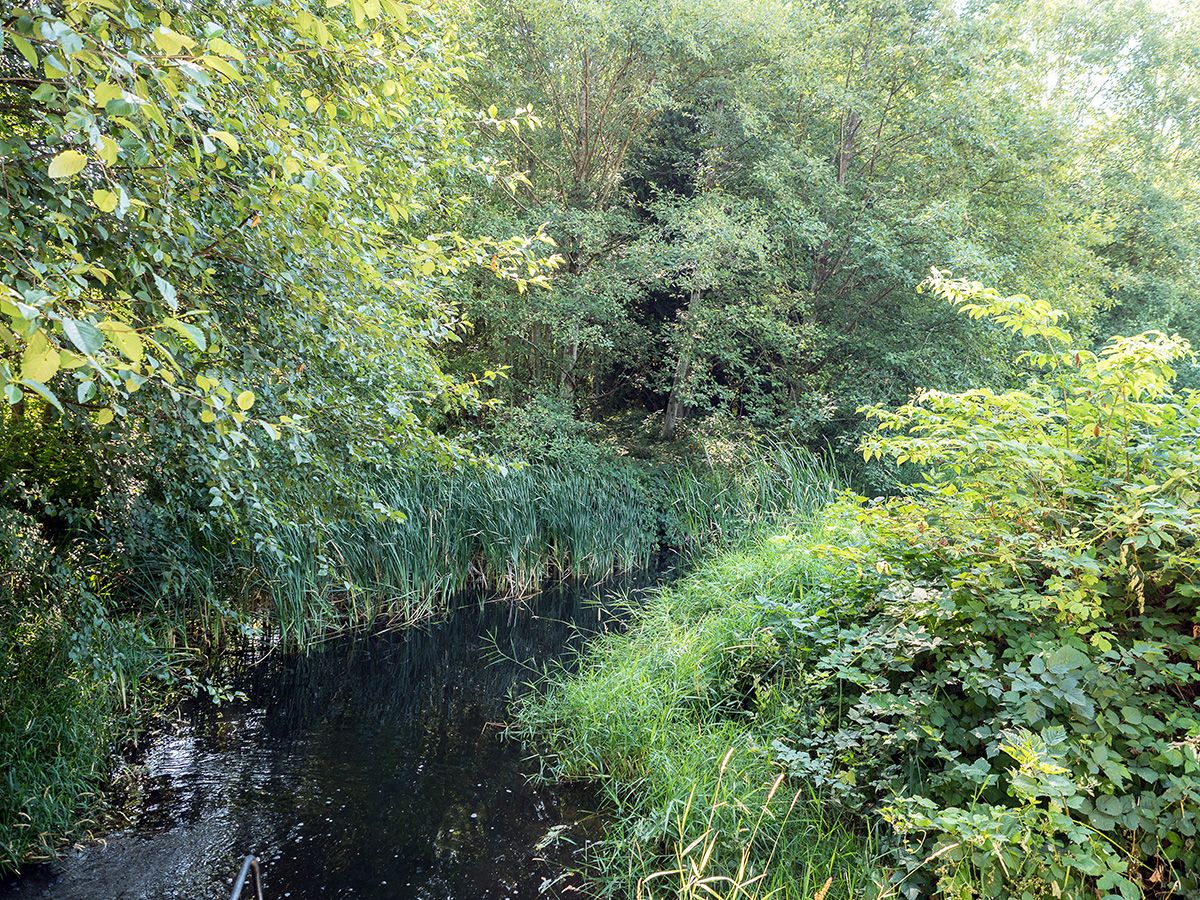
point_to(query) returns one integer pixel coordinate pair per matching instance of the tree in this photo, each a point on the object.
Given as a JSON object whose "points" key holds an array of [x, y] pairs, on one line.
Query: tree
{"points": [[600, 76], [230, 226], [870, 138]]}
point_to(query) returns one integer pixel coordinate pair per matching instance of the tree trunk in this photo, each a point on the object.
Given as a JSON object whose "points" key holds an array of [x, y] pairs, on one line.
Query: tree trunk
{"points": [[683, 366], [570, 359]]}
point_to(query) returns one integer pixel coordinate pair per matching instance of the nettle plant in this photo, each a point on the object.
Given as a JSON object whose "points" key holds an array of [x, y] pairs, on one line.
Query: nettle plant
{"points": [[1021, 696]]}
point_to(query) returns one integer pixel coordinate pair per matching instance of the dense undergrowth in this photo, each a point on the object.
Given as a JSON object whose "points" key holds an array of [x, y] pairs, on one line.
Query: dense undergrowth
{"points": [[985, 686]]}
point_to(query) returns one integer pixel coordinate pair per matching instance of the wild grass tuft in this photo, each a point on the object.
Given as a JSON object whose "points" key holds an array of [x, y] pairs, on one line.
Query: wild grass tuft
{"points": [[673, 721]]}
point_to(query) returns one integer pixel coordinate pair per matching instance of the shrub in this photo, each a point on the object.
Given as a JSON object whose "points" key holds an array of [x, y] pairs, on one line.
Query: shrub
{"points": [[1020, 691], [999, 662]]}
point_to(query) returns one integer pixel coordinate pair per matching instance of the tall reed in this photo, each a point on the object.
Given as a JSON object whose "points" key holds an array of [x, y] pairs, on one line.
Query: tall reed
{"points": [[507, 532]]}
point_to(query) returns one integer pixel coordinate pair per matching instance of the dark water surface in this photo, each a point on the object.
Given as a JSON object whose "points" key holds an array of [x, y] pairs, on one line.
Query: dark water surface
{"points": [[372, 767]]}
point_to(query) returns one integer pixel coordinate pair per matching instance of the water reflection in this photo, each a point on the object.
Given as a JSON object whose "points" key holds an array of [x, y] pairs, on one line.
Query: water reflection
{"points": [[371, 767]]}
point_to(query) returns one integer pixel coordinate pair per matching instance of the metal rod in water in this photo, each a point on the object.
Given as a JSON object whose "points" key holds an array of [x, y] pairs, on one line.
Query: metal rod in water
{"points": [[250, 864]]}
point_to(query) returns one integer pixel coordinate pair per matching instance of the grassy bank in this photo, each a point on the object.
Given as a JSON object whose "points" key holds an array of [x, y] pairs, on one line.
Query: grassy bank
{"points": [[803, 716], [676, 720], [74, 674]]}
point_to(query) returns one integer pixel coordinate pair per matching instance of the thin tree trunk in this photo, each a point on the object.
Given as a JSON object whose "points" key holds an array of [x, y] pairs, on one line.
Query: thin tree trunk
{"points": [[683, 366]]}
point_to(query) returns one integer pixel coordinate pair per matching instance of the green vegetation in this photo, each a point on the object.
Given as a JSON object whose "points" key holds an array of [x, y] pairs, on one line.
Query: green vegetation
{"points": [[992, 676], [504, 531], [86, 637], [674, 721], [746, 193], [314, 314]]}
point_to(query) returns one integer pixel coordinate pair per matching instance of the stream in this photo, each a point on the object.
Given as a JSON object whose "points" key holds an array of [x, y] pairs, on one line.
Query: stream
{"points": [[370, 767]]}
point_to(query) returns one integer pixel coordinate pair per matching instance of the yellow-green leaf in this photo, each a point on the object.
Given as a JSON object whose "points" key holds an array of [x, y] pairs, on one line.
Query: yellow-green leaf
{"points": [[220, 65], [52, 68], [171, 42], [227, 139], [40, 361], [104, 416], [106, 91], [68, 359], [128, 341], [154, 114], [106, 201], [223, 47], [67, 164], [245, 400], [108, 150]]}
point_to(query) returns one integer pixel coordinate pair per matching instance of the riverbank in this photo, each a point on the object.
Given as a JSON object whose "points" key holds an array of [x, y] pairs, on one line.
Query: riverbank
{"points": [[985, 685], [374, 765], [77, 688], [676, 723]]}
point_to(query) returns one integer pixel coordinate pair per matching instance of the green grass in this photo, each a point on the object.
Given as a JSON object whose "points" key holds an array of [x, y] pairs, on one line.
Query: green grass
{"points": [[673, 721], [55, 739], [71, 674]]}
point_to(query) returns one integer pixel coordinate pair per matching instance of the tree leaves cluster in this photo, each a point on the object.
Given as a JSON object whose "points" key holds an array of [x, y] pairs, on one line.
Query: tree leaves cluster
{"points": [[857, 143], [228, 230], [229, 239]]}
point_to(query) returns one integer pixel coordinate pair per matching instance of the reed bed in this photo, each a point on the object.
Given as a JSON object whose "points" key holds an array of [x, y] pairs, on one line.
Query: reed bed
{"points": [[436, 533]]}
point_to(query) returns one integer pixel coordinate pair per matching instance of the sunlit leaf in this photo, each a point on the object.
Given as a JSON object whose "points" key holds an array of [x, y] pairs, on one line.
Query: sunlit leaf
{"points": [[67, 164]]}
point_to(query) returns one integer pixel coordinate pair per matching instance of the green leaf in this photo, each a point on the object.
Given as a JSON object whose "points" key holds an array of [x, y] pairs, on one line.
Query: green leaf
{"points": [[106, 201], [189, 331], [245, 400], [38, 388], [167, 290], [86, 337], [67, 164], [26, 49]]}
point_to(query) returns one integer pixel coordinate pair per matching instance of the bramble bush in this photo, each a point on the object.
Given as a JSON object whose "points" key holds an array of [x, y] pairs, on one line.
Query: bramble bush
{"points": [[1016, 684]]}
